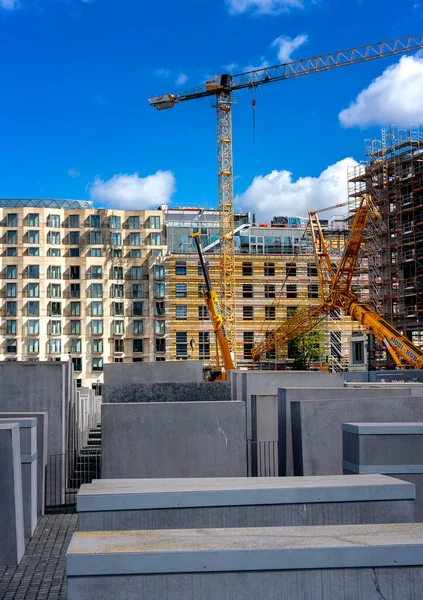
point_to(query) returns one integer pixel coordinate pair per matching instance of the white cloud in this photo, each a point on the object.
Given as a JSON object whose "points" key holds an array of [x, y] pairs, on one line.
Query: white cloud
{"points": [[134, 192], [181, 79], [163, 73], [10, 4], [279, 194], [394, 97], [263, 65], [286, 46], [230, 68], [74, 173], [263, 7]]}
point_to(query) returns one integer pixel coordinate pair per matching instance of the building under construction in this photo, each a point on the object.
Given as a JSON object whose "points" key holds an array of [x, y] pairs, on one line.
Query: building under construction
{"points": [[392, 272]]}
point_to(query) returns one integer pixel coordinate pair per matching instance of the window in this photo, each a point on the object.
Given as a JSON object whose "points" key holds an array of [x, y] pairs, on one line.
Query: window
{"points": [[118, 359], [247, 269], [180, 268], [55, 328], [11, 290], [75, 309], [33, 308], [119, 345], [96, 290], [33, 272], [269, 269], [159, 327], [311, 270], [157, 252], [73, 221], [154, 223], [11, 346], [291, 290], [138, 327], [203, 313], [54, 290], [77, 366], [55, 309], [75, 327], [201, 289], [291, 269], [181, 344], [33, 326], [11, 327], [136, 273], [75, 290], [204, 345], [248, 313], [52, 252], [116, 238], [11, 252], [137, 290], [95, 221], [54, 273], [159, 290], [97, 326], [118, 327], [134, 239], [12, 237], [160, 344], [74, 272], [118, 309], [97, 364], [357, 353], [159, 272], [96, 309], [135, 253], [138, 345], [159, 309], [156, 239], [270, 313], [137, 309], [12, 220], [248, 344], [181, 290], [53, 221], [269, 290], [33, 290], [117, 290], [96, 252], [55, 346], [134, 222], [116, 253], [33, 346], [33, 237], [117, 272], [97, 345], [11, 272], [96, 272], [181, 312], [200, 268], [54, 238], [74, 238], [313, 290], [73, 252], [247, 290], [34, 220], [115, 222], [11, 308], [95, 237]]}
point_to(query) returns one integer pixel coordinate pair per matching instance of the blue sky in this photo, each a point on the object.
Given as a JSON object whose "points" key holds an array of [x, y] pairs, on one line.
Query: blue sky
{"points": [[77, 75]]}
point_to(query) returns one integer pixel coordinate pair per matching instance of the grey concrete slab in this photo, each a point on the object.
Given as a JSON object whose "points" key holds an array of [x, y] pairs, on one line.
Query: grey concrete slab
{"points": [[28, 447], [317, 428], [189, 439], [11, 505], [42, 433], [169, 392]]}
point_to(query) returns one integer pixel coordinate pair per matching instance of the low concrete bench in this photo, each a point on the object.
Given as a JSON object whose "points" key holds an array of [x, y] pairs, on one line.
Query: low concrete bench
{"points": [[391, 448], [243, 502], [280, 563]]}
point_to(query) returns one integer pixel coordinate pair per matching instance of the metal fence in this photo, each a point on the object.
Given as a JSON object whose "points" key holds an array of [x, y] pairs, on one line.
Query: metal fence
{"points": [[262, 458], [67, 472]]}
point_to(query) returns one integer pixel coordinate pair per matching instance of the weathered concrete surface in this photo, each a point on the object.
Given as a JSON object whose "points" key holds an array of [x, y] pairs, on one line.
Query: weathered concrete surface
{"points": [[179, 371], [107, 505], [412, 375], [169, 392], [42, 432], [178, 439], [11, 506], [317, 428], [416, 389]]}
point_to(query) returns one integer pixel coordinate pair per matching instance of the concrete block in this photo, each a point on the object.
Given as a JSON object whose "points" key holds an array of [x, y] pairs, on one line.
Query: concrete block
{"points": [[28, 447], [130, 504], [42, 433], [12, 543], [406, 376], [187, 439], [281, 563], [169, 392], [317, 428], [391, 448]]}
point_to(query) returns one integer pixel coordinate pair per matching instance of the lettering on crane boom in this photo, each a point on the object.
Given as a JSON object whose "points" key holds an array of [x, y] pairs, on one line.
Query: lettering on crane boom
{"points": [[401, 347]]}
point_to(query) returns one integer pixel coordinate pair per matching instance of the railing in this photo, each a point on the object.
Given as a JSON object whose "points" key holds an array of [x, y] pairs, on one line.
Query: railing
{"points": [[67, 472], [262, 458]]}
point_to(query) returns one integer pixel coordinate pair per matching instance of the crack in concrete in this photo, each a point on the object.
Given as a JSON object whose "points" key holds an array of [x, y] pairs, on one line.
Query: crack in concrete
{"points": [[377, 586]]}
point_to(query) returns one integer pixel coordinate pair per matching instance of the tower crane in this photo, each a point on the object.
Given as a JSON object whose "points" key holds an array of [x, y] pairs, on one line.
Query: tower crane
{"points": [[335, 290], [222, 87]]}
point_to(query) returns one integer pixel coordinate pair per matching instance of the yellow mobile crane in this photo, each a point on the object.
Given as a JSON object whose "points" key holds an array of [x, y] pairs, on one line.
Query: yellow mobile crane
{"points": [[336, 293], [212, 303], [221, 87]]}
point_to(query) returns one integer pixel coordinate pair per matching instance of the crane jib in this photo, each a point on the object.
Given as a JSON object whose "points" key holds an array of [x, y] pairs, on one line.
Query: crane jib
{"points": [[400, 346]]}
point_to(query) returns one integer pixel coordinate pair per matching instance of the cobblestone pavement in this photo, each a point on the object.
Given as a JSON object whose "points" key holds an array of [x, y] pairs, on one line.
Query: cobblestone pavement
{"points": [[41, 574]]}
